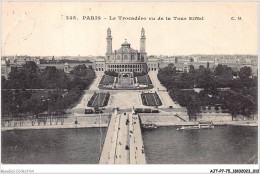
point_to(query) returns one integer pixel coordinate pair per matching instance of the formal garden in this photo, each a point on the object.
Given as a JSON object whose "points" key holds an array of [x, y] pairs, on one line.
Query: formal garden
{"points": [[99, 100], [110, 80], [151, 99]]}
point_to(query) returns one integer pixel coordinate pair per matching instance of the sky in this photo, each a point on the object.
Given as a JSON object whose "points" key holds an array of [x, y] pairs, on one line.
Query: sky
{"points": [[41, 28]]}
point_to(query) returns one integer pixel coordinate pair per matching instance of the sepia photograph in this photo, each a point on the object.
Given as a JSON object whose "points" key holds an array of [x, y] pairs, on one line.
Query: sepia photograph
{"points": [[139, 83]]}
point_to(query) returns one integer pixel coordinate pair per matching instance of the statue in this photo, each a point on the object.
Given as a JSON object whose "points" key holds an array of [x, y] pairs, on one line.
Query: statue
{"points": [[143, 32], [108, 32]]}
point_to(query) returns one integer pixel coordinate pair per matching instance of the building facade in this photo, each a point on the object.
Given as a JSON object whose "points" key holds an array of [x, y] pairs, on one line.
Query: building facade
{"points": [[125, 59]]}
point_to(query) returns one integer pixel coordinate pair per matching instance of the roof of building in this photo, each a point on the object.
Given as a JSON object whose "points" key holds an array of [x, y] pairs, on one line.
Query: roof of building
{"points": [[126, 48], [126, 43]]}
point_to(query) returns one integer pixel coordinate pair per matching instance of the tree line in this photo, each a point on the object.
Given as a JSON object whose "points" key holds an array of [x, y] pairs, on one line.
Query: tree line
{"points": [[60, 90], [222, 88]]}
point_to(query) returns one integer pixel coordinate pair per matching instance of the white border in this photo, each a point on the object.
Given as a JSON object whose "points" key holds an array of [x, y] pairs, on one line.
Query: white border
{"points": [[149, 168]]}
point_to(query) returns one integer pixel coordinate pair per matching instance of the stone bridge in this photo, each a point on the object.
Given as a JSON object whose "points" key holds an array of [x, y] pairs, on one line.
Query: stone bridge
{"points": [[123, 143]]}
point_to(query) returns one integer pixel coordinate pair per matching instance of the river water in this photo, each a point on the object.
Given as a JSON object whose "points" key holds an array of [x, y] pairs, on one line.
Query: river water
{"points": [[221, 145], [52, 146], [165, 145]]}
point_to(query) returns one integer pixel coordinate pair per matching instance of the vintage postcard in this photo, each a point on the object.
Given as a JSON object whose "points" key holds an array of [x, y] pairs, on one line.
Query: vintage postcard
{"points": [[145, 83]]}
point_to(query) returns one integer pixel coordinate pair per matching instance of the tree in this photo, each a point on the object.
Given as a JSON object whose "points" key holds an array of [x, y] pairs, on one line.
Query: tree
{"points": [[192, 69], [4, 82], [224, 72], [245, 72], [80, 70], [193, 108], [53, 78], [240, 100], [245, 77], [30, 67], [239, 104], [204, 79], [201, 67]]}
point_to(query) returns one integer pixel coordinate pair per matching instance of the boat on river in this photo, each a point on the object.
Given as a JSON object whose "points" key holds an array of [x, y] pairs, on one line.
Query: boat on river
{"points": [[200, 125]]}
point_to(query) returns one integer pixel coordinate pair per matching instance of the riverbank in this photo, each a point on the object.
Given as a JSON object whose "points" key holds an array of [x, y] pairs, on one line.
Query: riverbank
{"points": [[93, 125], [179, 119], [82, 121], [68, 126], [219, 123]]}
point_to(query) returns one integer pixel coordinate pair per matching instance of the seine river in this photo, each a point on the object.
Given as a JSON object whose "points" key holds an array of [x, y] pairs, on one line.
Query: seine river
{"points": [[165, 145], [221, 145], [53, 146]]}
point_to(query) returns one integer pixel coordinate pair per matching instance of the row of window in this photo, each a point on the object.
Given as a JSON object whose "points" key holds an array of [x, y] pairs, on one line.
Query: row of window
{"points": [[99, 69], [125, 57], [124, 66], [100, 65], [152, 69], [126, 70], [152, 65], [121, 70]]}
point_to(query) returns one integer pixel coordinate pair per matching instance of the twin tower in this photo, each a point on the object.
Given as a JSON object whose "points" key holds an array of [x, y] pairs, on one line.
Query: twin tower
{"points": [[141, 55]]}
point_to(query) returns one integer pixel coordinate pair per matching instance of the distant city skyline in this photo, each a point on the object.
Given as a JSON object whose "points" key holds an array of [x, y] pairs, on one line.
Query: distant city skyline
{"points": [[40, 29], [158, 56]]}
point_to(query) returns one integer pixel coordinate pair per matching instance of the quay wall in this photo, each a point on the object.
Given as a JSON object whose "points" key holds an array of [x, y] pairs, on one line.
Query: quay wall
{"points": [[93, 120], [215, 117], [56, 122], [163, 119], [173, 120]]}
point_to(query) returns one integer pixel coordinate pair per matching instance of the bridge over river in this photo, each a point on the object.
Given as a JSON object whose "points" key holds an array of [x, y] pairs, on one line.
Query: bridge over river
{"points": [[123, 143]]}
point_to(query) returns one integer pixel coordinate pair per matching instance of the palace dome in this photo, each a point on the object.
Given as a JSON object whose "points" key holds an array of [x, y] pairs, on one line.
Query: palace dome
{"points": [[126, 49]]}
